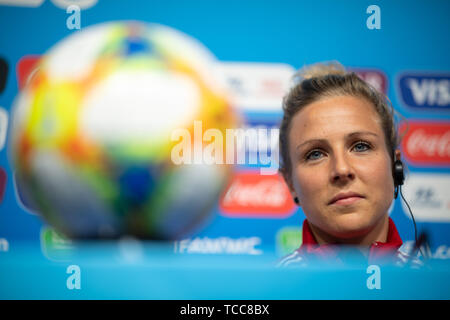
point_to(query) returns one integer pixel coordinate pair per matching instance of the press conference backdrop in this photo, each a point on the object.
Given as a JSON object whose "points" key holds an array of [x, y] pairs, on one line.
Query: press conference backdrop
{"points": [[400, 47]]}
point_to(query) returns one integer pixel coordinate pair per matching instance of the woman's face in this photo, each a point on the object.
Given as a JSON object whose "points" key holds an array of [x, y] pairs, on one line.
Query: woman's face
{"points": [[337, 149]]}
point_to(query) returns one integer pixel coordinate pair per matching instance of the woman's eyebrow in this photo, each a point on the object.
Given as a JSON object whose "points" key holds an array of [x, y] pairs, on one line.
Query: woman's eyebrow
{"points": [[350, 135], [361, 133], [311, 141]]}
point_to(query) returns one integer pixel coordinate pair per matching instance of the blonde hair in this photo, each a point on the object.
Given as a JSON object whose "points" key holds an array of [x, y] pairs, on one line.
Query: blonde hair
{"points": [[320, 80]]}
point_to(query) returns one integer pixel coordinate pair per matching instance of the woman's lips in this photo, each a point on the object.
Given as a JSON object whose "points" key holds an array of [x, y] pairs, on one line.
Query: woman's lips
{"points": [[347, 201]]}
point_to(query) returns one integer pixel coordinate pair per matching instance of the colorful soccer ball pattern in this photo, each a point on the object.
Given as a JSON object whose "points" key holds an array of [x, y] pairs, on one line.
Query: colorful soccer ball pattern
{"points": [[91, 138]]}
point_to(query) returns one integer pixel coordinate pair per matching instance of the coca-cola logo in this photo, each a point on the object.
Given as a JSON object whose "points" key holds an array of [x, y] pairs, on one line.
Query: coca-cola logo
{"points": [[251, 194], [427, 143]]}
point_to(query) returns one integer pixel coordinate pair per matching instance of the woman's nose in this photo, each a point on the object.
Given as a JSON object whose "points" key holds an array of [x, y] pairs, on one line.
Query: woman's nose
{"points": [[342, 170]]}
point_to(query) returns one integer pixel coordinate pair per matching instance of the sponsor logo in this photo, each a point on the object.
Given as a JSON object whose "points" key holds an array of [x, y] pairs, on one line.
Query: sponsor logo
{"points": [[427, 195], [262, 139], [222, 245], [2, 184], [427, 143], [257, 143], [288, 239], [54, 246], [260, 196], [262, 86], [263, 143], [3, 127], [425, 90], [376, 78], [25, 69], [3, 74], [257, 86]]}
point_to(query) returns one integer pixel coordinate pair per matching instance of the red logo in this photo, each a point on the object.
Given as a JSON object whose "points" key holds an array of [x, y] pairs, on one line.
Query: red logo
{"points": [[427, 143], [374, 77], [2, 184], [25, 67], [253, 195]]}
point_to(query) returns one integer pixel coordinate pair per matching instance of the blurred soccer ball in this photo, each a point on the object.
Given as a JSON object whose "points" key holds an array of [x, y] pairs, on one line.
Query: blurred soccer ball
{"points": [[91, 139]]}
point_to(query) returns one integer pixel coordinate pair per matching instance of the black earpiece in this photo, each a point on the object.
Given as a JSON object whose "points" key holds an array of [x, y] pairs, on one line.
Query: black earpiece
{"points": [[399, 176], [399, 179]]}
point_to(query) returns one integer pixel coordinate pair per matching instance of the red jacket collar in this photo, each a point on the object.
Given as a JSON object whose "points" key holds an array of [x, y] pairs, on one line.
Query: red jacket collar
{"points": [[378, 250]]}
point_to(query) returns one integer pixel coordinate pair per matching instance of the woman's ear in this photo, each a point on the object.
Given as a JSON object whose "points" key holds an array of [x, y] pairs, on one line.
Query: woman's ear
{"points": [[290, 185], [398, 155]]}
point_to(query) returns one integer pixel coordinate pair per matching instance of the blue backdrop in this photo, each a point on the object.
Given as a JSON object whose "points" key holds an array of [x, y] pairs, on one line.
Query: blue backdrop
{"points": [[259, 44]]}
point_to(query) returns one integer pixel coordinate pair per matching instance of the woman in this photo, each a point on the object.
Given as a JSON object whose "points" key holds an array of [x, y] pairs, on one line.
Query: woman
{"points": [[338, 144]]}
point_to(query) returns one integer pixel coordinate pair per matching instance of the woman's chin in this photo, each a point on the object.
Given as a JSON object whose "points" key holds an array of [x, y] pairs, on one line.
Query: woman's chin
{"points": [[352, 226]]}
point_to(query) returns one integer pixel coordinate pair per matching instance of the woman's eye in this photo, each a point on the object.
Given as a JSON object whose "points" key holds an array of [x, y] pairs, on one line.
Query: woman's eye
{"points": [[313, 155], [361, 146]]}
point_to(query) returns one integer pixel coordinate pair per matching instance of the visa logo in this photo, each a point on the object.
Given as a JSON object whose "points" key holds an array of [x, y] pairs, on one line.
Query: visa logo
{"points": [[425, 91]]}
